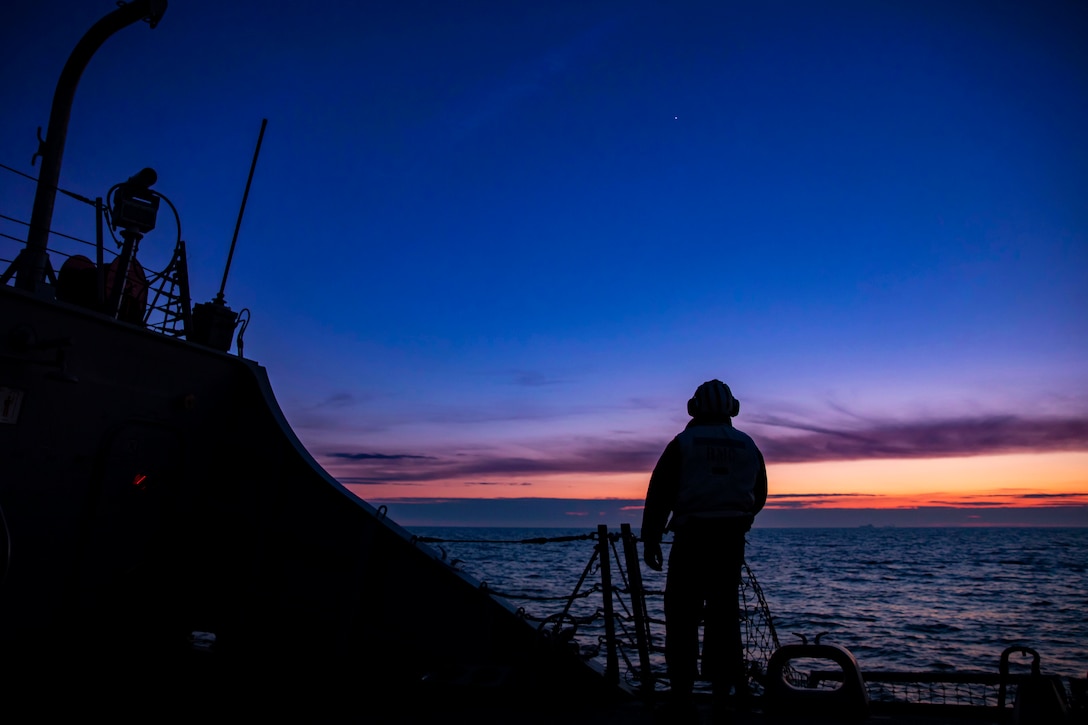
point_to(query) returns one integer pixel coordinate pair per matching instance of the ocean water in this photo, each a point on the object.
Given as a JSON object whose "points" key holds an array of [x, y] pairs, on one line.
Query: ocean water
{"points": [[905, 599]]}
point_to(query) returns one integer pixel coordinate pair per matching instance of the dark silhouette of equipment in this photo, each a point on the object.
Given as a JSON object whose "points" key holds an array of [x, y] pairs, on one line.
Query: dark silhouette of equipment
{"points": [[214, 322]]}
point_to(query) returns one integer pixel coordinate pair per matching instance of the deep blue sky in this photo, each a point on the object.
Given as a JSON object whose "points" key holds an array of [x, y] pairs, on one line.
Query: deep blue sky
{"points": [[491, 244]]}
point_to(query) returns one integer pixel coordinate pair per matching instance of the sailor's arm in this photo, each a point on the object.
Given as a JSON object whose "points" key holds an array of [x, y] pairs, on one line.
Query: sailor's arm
{"points": [[660, 498], [760, 491]]}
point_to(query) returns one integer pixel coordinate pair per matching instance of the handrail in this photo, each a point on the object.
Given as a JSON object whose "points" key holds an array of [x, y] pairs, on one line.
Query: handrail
{"points": [[641, 616], [612, 664]]}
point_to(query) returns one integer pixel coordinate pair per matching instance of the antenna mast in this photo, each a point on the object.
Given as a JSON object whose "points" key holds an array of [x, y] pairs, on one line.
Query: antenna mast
{"points": [[238, 225]]}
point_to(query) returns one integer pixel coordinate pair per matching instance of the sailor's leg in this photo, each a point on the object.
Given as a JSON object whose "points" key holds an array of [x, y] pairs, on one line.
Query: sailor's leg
{"points": [[683, 610], [723, 646]]}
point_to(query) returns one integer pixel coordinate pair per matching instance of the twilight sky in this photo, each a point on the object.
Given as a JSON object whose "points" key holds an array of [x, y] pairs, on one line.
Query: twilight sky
{"points": [[491, 248]]}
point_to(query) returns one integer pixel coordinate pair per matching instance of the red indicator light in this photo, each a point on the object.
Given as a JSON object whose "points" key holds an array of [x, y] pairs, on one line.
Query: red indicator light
{"points": [[140, 481]]}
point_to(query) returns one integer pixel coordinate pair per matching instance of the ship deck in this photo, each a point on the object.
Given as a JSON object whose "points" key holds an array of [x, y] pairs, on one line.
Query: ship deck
{"points": [[658, 713]]}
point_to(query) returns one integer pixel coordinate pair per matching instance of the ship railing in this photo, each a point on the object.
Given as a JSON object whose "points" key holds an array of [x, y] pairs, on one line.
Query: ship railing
{"points": [[610, 615], [85, 270], [949, 693]]}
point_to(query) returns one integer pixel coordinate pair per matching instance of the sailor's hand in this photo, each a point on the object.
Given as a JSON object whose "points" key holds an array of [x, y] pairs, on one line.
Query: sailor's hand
{"points": [[651, 554]]}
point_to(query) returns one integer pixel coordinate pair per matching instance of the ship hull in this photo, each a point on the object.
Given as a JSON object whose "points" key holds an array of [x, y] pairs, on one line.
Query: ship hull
{"points": [[160, 511]]}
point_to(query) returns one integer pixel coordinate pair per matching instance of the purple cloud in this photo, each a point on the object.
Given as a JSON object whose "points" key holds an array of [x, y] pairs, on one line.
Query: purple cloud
{"points": [[924, 439], [816, 443], [377, 456]]}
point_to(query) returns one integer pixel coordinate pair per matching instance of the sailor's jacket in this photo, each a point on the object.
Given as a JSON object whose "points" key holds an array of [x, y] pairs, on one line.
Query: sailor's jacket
{"points": [[709, 470]]}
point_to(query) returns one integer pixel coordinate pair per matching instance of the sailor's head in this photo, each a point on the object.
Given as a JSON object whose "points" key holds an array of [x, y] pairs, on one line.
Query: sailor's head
{"points": [[713, 399]]}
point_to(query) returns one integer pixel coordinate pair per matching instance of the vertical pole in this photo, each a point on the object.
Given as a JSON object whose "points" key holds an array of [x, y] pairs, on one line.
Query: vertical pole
{"points": [[638, 604], [120, 278], [183, 291], [100, 264], [241, 211], [612, 664]]}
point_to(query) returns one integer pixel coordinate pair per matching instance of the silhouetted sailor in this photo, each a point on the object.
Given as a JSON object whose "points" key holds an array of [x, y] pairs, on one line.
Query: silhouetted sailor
{"points": [[712, 479]]}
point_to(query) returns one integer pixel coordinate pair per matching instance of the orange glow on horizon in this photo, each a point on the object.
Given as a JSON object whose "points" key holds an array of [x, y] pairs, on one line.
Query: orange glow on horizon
{"points": [[991, 499], [1015, 480]]}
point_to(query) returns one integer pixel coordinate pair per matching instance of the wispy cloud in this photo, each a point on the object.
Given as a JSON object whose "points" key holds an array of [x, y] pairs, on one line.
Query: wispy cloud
{"points": [[534, 379], [596, 456], [336, 400], [371, 481], [522, 82], [955, 437], [986, 500], [965, 436], [781, 496], [378, 456], [497, 483], [1051, 499], [799, 501]]}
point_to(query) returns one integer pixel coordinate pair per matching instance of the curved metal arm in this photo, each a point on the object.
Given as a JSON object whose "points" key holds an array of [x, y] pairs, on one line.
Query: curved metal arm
{"points": [[32, 272]]}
